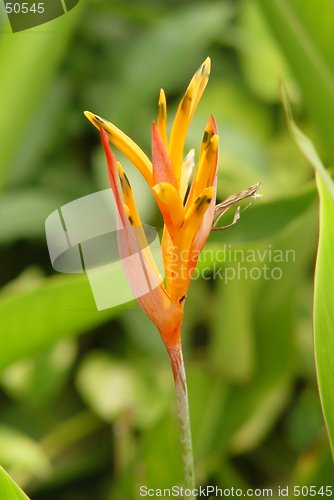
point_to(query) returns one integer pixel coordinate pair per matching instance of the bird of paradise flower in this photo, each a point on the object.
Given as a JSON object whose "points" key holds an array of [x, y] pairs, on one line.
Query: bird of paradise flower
{"points": [[189, 213]]}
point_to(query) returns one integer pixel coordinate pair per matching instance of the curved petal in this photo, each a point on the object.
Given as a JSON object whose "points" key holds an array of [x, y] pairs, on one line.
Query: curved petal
{"points": [[207, 165], [170, 206], [162, 116], [141, 275], [162, 166], [131, 150], [185, 113]]}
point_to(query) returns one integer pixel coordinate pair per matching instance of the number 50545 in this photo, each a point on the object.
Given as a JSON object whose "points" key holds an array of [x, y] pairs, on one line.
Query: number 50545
{"points": [[24, 8]]}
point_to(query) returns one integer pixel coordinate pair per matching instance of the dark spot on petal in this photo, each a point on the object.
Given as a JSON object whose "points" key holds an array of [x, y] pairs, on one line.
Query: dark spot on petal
{"points": [[127, 180], [200, 201], [184, 101], [162, 110]]}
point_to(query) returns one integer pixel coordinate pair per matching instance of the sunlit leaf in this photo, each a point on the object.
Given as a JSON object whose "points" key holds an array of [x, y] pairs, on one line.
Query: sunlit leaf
{"points": [[324, 275], [323, 305], [8, 489], [22, 454]]}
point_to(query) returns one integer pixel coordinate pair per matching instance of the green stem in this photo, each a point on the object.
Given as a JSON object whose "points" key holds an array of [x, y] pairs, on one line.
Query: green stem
{"points": [[182, 405]]}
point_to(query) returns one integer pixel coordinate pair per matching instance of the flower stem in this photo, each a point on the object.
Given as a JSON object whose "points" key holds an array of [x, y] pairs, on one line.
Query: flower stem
{"points": [[182, 405]]}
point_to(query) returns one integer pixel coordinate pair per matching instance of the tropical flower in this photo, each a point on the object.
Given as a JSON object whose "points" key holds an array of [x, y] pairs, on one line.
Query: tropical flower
{"points": [[188, 211], [187, 218]]}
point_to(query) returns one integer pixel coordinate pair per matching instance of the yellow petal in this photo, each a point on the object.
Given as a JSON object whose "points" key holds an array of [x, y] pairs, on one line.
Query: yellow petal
{"points": [[206, 169], [167, 249], [193, 218], [131, 150], [134, 219], [185, 113], [170, 205], [128, 213], [209, 131], [179, 277], [162, 117], [128, 196]]}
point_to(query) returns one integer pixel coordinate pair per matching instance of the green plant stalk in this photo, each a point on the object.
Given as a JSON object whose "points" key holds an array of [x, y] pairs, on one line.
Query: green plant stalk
{"points": [[182, 407]]}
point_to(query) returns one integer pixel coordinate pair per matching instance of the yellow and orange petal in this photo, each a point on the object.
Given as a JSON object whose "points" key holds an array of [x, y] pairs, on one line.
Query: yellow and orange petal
{"points": [[207, 165], [126, 145], [185, 114], [162, 117], [170, 206]]}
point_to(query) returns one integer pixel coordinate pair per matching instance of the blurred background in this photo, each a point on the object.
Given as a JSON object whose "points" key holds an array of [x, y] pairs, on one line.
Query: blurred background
{"points": [[86, 398]]}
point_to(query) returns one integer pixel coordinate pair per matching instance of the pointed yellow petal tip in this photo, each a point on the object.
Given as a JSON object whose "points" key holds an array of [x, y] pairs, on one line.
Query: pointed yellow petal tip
{"points": [[90, 116], [162, 116], [96, 120], [205, 68]]}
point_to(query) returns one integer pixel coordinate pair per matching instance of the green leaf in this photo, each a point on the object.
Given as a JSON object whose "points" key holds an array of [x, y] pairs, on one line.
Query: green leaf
{"points": [[113, 389], [324, 275], [323, 305], [307, 148], [305, 32], [232, 349], [305, 422], [260, 54], [60, 306], [40, 379], [22, 454], [30, 57], [23, 213], [8, 489], [262, 419]]}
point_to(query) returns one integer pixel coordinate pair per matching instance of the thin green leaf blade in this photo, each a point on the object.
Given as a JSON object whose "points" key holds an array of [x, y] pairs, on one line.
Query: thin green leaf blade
{"points": [[306, 146], [324, 275], [8, 489], [323, 306]]}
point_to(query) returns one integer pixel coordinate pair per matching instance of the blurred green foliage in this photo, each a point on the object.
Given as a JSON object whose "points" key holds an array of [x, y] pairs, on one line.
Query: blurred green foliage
{"points": [[87, 403]]}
